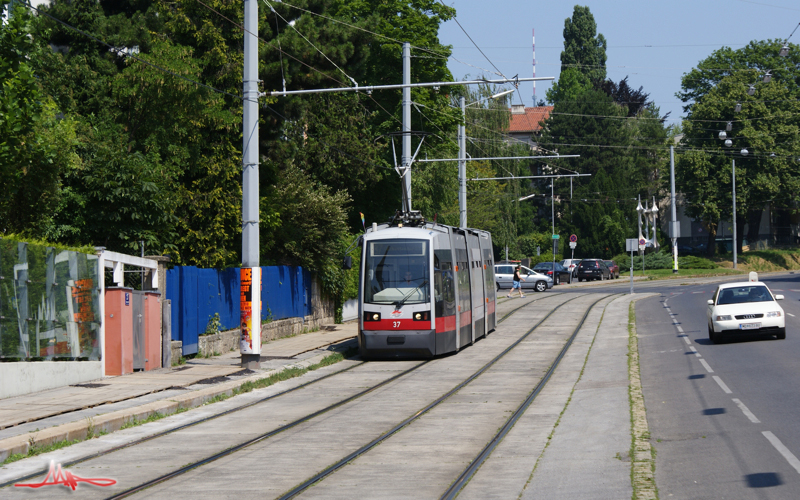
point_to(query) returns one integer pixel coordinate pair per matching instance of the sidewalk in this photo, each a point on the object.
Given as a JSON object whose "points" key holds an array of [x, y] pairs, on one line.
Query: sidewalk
{"points": [[106, 404]]}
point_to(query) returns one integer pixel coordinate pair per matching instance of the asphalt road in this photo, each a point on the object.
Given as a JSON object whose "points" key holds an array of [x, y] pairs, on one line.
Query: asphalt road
{"points": [[723, 418]]}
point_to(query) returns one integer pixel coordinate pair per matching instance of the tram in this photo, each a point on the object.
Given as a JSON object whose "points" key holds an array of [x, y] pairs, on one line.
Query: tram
{"points": [[425, 289]]}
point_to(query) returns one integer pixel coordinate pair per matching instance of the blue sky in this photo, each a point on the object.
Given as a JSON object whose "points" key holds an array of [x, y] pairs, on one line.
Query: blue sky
{"points": [[652, 42]]}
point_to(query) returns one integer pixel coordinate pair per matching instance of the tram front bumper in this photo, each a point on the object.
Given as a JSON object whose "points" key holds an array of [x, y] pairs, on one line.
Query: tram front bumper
{"points": [[397, 344]]}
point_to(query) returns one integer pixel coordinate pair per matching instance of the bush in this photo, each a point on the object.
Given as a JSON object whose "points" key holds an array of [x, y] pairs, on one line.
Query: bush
{"points": [[662, 260]]}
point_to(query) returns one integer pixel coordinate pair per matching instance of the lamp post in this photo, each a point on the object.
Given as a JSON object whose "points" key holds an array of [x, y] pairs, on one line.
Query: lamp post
{"points": [[462, 157], [733, 182]]}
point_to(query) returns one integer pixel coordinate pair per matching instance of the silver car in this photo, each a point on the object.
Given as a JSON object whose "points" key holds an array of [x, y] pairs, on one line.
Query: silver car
{"points": [[504, 275]]}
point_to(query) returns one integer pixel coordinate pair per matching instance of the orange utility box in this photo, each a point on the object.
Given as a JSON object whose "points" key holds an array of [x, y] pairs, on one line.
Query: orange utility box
{"points": [[119, 331], [152, 330]]}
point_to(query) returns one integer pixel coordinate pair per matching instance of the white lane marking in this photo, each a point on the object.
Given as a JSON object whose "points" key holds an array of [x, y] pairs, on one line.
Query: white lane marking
{"points": [[722, 384], [679, 328], [694, 350], [699, 292], [790, 314], [746, 411], [783, 450], [706, 366], [686, 339]]}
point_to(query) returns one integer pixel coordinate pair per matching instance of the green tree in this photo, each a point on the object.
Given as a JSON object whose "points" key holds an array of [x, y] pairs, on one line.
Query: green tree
{"points": [[584, 48], [768, 126]]}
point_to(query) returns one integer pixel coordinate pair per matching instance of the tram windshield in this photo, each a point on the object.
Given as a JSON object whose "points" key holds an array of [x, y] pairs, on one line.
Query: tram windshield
{"points": [[396, 272]]}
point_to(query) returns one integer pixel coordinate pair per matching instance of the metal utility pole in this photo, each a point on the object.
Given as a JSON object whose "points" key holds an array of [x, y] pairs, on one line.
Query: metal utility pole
{"points": [[406, 158], [462, 168], [250, 288], [674, 227], [733, 179]]}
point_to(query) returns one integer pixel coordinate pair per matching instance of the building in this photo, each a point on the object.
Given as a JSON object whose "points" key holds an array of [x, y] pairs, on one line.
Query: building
{"points": [[526, 123]]}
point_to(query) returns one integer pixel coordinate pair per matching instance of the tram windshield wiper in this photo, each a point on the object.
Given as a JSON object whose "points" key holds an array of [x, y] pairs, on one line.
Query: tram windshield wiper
{"points": [[399, 303]]}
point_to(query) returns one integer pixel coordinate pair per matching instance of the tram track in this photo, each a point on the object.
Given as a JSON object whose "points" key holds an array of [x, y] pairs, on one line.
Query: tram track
{"points": [[297, 490], [234, 449], [188, 425]]}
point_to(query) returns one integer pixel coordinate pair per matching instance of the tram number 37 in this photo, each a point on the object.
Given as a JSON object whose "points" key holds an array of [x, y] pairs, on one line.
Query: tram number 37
{"points": [[395, 324]]}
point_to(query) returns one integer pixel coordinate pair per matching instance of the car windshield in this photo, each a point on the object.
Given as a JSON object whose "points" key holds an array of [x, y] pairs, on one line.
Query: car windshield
{"points": [[543, 265], [609, 263], [396, 272], [743, 294]]}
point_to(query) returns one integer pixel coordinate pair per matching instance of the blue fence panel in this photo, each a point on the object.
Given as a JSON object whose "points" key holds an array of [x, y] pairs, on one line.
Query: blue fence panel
{"points": [[197, 294]]}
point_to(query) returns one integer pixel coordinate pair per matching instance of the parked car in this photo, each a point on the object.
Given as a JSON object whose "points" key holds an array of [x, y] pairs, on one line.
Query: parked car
{"points": [[613, 268], [745, 308], [504, 275], [592, 269], [561, 274], [570, 264]]}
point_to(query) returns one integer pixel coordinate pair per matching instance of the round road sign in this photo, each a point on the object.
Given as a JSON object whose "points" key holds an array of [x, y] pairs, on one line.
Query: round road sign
{"points": [[573, 238], [642, 241]]}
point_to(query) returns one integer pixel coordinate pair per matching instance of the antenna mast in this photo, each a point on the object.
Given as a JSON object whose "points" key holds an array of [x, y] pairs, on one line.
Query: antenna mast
{"points": [[533, 36]]}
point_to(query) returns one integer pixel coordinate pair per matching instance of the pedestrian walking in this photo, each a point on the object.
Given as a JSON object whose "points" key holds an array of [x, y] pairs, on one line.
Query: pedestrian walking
{"points": [[515, 283]]}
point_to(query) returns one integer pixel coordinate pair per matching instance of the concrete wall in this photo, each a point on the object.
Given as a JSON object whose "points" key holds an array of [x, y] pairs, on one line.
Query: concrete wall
{"points": [[22, 377], [350, 310]]}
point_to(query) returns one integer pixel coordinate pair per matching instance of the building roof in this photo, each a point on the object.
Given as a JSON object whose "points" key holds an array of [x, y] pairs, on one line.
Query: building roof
{"points": [[528, 121]]}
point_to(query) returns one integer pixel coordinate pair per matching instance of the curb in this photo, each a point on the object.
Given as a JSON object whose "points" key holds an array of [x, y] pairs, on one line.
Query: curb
{"points": [[112, 422]]}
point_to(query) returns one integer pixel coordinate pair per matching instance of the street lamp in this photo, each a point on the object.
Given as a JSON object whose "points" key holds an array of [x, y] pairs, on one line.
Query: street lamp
{"points": [[462, 157]]}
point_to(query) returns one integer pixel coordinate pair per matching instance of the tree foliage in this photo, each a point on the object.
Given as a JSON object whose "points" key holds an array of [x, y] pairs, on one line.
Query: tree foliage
{"points": [[768, 127], [584, 48]]}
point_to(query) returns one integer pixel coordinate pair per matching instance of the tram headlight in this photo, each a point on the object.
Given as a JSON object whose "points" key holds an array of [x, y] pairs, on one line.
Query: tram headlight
{"points": [[422, 316], [418, 316], [372, 316]]}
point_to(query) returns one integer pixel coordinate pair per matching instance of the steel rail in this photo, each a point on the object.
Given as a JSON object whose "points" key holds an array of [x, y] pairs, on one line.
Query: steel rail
{"points": [[266, 435], [341, 463], [176, 429], [473, 467]]}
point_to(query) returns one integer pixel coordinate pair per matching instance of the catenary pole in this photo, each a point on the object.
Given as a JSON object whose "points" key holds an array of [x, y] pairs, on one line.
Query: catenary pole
{"points": [[733, 181], [250, 287], [462, 168], [674, 211], [406, 158]]}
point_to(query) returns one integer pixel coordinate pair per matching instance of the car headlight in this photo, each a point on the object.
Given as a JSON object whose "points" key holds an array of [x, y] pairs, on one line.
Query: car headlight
{"points": [[724, 317], [774, 314]]}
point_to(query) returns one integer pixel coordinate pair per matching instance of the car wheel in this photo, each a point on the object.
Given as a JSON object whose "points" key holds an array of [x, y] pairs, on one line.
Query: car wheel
{"points": [[498, 285], [712, 335], [558, 280], [602, 277], [540, 286], [782, 334]]}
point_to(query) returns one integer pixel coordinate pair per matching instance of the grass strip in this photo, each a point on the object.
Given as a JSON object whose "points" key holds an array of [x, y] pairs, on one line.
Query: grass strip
{"points": [[643, 455]]}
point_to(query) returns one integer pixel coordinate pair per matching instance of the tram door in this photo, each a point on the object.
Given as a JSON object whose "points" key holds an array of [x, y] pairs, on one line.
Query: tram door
{"points": [[464, 308], [476, 286], [444, 295], [489, 287]]}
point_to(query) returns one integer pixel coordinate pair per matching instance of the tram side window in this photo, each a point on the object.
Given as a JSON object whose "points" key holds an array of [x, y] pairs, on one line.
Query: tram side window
{"points": [[463, 287], [444, 288]]}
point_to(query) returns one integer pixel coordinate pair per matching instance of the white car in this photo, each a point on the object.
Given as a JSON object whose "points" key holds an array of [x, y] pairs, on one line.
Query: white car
{"points": [[504, 275], [745, 308], [571, 264]]}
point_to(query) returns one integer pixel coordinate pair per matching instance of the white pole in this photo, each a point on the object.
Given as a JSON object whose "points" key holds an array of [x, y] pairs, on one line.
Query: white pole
{"points": [[250, 340], [406, 158], [674, 212], [462, 168], [733, 179]]}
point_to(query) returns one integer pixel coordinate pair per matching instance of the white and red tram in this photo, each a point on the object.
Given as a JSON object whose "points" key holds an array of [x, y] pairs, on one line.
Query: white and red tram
{"points": [[425, 289]]}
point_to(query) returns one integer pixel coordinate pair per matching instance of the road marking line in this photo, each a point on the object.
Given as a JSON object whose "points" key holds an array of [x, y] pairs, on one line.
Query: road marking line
{"points": [[698, 292], [706, 366], [747, 413], [722, 384], [783, 450], [686, 339], [790, 314], [679, 328], [694, 350]]}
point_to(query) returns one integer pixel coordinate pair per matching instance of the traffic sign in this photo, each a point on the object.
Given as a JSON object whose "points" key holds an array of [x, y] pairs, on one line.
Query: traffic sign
{"points": [[555, 236], [573, 238], [573, 244], [642, 242]]}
